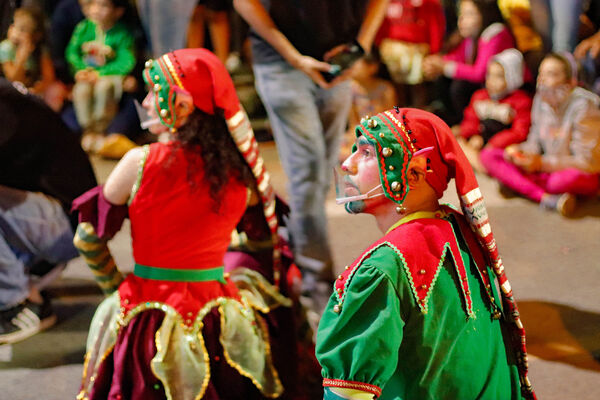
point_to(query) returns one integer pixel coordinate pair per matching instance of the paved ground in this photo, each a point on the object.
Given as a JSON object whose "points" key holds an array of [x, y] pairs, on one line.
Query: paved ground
{"points": [[552, 263]]}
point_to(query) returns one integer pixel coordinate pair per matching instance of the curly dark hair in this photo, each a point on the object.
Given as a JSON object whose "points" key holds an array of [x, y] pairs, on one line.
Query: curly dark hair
{"points": [[207, 136]]}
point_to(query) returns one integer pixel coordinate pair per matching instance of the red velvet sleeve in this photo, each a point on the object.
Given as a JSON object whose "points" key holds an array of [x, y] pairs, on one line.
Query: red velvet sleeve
{"points": [[436, 23], [519, 129], [94, 208]]}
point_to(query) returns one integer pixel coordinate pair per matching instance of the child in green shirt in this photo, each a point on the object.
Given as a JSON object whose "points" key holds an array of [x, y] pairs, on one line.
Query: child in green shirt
{"points": [[100, 54]]}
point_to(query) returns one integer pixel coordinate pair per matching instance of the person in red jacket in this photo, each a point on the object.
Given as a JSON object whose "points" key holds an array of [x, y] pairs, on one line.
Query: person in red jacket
{"points": [[499, 114]]}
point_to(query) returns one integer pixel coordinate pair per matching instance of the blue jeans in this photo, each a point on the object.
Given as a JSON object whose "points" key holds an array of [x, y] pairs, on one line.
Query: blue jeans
{"points": [[557, 22], [308, 123], [165, 23], [33, 227]]}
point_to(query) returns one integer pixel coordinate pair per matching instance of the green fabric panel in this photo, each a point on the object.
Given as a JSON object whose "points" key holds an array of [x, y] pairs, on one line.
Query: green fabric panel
{"points": [[438, 355], [180, 275], [118, 38]]}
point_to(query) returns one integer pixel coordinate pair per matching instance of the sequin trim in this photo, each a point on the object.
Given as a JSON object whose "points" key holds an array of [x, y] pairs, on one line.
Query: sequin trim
{"points": [[140, 173], [240, 370], [340, 383]]}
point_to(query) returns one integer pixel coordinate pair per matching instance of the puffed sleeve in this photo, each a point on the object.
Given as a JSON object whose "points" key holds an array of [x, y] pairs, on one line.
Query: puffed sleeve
{"points": [[105, 217], [358, 347]]}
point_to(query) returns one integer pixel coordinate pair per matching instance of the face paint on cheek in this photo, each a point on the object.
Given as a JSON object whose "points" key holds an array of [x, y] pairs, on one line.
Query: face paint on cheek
{"points": [[355, 207], [350, 189]]}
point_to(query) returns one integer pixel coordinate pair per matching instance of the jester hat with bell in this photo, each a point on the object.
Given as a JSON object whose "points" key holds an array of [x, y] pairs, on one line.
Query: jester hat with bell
{"points": [[203, 76], [400, 134]]}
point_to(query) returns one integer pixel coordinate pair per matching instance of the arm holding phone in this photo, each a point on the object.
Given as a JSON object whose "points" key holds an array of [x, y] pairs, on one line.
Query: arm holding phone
{"points": [[259, 19]]}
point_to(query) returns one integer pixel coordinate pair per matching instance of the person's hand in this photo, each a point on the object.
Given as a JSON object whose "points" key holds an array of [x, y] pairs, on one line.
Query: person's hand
{"points": [[86, 75], [24, 50], [335, 51], [528, 162], [93, 76], [81, 75], [348, 71], [590, 45], [129, 84], [510, 151], [433, 66], [476, 142], [313, 68]]}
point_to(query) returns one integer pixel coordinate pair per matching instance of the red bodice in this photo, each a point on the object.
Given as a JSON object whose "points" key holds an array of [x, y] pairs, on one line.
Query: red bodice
{"points": [[174, 225]]}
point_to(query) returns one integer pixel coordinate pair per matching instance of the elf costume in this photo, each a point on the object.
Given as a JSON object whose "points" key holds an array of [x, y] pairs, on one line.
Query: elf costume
{"points": [[179, 327], [418, 315]]}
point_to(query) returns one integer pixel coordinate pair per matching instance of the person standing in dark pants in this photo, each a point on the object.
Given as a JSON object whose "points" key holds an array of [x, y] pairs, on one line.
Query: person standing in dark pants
{"points": [[291, 42]]}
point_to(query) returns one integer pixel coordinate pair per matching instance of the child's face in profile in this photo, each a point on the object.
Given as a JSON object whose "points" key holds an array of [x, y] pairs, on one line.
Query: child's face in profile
{"points": [[103, 12], [23, 28], [363, 69], [495, 81], [469, 19]]}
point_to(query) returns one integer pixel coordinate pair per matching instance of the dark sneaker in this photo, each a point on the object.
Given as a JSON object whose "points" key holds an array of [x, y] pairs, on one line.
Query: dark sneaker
{"points": [[25, 320]]}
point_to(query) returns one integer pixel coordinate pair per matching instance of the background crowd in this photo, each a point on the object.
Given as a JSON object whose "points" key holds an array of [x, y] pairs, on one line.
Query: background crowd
{"points": [[518, 80]]}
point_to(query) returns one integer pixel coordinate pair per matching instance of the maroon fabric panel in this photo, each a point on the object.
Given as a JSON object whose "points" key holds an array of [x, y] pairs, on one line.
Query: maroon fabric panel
{"points": [[126, 373], [106, 217]]}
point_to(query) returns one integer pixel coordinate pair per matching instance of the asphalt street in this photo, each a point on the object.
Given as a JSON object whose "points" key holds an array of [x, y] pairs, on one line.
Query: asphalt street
{"points": [[552, 263]]}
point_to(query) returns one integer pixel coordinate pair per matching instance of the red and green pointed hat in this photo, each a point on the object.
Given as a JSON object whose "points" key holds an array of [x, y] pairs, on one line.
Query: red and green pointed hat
{"points": [[202, 75]]}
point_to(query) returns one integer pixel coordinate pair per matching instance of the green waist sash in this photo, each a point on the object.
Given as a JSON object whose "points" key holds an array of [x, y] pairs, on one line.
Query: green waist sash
{"points": [[180, 275]]}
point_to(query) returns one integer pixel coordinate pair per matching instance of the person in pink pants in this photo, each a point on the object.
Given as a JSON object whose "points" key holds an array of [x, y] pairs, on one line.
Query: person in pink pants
{"points": [[561, 156]]}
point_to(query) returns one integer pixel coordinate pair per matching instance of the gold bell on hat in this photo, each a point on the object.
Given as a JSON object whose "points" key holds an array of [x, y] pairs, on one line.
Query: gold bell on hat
{"points": [[163, 113], [157, 87], [386, 151], [396, 186], [148, 63], [372, 123]]}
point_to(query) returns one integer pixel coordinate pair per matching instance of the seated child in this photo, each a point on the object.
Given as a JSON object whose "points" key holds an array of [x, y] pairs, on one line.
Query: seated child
{"points": [[560, 159], [410, 31], [100, 54], [499, 114], [25, 60], [370, 94], [484, 34]]}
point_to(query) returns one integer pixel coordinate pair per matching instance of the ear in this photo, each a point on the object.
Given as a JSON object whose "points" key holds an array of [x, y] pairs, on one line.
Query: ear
{"points": [[417, 170], [184, 106]]}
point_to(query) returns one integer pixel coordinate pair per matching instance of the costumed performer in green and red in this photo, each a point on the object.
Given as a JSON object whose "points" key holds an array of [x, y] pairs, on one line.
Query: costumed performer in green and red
{"points": [[418, 314]]}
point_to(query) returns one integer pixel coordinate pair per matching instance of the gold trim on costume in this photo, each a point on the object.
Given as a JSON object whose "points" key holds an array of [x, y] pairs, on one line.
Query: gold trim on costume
{"points": [[172, 70]]}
